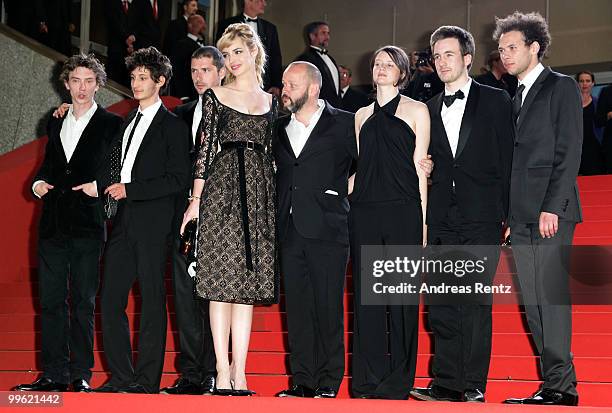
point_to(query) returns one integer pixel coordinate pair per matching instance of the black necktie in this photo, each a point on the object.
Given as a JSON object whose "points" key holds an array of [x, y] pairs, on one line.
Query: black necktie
{"points": [[129, 141], [449, 99], [517, 102]]}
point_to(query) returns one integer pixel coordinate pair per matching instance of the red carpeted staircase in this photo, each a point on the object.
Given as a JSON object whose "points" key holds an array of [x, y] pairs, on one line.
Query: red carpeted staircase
{"points": [[513, 372]]}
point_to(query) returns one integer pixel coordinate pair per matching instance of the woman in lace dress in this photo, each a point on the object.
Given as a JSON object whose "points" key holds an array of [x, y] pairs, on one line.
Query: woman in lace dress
{"points": [[233, 196]]}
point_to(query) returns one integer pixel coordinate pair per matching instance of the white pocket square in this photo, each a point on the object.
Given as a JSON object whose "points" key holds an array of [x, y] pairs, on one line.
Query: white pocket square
{"points": [[330, 192]]}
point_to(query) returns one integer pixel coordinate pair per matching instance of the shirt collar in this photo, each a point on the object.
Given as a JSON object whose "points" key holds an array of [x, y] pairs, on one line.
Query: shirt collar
{"points": [[150, 112], [193, 37], [316, 115], [344, 89], [465, 88], [531, 77], [87, 115]]}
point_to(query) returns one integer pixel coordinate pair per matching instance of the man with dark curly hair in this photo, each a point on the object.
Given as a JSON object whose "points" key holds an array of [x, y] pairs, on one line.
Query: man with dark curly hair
{"points": [[544, 203], [71, 231], [152, 151]]}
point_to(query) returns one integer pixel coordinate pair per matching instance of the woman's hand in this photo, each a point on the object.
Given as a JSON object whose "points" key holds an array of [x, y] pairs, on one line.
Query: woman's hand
{"points": [[61, 110], [193, 211]]}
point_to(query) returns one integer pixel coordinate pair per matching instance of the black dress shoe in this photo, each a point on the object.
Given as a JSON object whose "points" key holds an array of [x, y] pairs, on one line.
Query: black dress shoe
{"points": [[182, 386], [547, 397], [297, 390], [81, 386], [437, 394], [136, 388], [208, 384], [108, 387], [474, 395], [42, 384], [325, 393], [243, 393]]}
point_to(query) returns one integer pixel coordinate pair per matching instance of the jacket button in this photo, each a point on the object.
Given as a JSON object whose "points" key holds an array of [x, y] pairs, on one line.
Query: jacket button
{"points": [[68, 171], [515, 144], [296, 164], [455, 165], [296, 187]]}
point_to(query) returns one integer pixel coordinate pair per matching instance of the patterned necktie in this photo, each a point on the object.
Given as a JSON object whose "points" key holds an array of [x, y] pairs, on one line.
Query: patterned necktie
{"points": [[449, 99], [517, 102]]}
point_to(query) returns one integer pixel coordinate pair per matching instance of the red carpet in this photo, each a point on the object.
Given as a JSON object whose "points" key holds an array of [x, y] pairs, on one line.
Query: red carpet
{"points": [[513, 367]]}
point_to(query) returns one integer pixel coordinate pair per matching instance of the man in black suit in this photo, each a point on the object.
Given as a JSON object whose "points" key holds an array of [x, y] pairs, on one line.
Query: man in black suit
{"points": [[497, 76], [119, 17], [55, 24], [182, 85], [145, 28], [71, 230], [197, 357], [352, 99], [153, 153], [544, 201], [317, 37], [251, 14], [313, 149], [177, 28], [471, 146]]}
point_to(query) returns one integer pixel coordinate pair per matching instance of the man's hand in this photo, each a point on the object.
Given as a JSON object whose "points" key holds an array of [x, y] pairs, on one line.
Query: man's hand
{"points": [[609, 115], [116, 191], [426, 165], [549, 224], [42, 188], [43, 28], [61, 110], [89, 189]]}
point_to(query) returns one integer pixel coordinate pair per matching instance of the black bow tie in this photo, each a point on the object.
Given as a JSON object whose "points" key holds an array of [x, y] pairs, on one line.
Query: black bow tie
{"points": [[322, 51], [449, 99], [248, 19]]}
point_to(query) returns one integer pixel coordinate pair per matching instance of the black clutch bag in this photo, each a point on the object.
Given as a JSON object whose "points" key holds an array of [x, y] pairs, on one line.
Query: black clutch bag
{"points": [[110, 207], [188, 239]]}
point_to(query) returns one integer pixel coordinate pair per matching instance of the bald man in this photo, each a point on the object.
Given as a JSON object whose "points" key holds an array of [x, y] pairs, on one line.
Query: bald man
{"points": [[313, 149], [181, 58]]}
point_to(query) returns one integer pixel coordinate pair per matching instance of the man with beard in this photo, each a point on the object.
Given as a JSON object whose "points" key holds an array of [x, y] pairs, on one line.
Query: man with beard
{"points": [[313, 149]]}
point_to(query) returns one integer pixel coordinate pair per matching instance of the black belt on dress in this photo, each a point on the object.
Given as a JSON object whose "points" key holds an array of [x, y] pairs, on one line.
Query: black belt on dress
{"points": [[240, 147]]}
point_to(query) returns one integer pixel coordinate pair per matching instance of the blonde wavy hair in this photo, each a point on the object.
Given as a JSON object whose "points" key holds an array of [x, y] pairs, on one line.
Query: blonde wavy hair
{"points": [[251, 40]]}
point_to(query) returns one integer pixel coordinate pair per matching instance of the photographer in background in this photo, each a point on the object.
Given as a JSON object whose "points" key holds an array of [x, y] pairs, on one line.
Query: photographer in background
{"points": [[424, 81]]}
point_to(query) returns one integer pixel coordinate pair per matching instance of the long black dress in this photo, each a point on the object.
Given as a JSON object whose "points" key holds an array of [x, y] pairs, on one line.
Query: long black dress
{"points": [[592, 158], [385, 210], [237, 254]]}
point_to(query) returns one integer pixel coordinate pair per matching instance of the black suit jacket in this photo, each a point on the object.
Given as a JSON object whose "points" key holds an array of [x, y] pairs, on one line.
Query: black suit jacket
{"points": [[119, 26], [176, 31], [143, 24], [269, 38], [160, 174], [181, 84], [185, 112], [72, 213], [354, 99], [547, 151], [328, 89], [323, 165], [482, 163]]}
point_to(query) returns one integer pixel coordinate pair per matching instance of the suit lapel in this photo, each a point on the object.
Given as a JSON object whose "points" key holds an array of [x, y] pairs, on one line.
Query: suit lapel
{"points": [[533, 91], [283, 138], [90, 129], [152, 130], [322, 125], [468, 117], [437, 120], [55, 135]]}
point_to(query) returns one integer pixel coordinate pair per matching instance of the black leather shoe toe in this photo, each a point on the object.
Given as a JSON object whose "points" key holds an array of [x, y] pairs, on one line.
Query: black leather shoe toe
{"points": [[325, 393], [42, 384], [547, 397], [182, 386], [436, 393], [474, 395], [297, 390], [81, 386], [208, 384]]}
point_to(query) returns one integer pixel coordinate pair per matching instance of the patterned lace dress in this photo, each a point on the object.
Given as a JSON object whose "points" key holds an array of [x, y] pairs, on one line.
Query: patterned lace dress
{"points": [[237, 257]]}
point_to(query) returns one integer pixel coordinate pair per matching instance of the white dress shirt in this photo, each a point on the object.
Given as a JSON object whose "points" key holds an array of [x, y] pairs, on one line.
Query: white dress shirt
{"points": [[252, 24], [453, 115], [197, 117], [70, 134], [299, 133], [530, 79], [72, 129], [332, 67], [147, 117]]}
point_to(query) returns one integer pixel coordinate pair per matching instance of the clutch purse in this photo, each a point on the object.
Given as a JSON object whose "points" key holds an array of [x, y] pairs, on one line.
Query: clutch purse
{"points": [[110, 207], [188, 239]]}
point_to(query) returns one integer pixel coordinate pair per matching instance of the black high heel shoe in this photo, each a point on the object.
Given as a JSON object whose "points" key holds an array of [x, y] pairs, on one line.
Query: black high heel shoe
{"points": [[224, 392]]}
